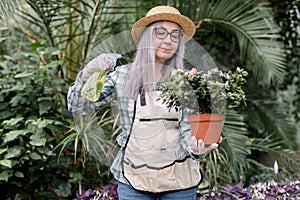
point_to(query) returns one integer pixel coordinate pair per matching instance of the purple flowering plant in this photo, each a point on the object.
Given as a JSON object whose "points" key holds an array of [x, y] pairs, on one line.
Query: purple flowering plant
{"points": [[107, 192], [269, 190]]}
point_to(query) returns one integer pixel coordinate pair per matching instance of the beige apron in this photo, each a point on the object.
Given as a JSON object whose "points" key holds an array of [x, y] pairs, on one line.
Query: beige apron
{"points": [[153, 158]]}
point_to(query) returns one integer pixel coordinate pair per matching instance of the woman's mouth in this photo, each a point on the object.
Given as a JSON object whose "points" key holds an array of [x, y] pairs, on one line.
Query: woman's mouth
{"points": [[165, 49]]}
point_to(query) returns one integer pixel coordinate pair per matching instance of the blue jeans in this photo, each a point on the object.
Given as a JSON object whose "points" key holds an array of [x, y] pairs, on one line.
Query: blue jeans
{"points": [[126, 192]]}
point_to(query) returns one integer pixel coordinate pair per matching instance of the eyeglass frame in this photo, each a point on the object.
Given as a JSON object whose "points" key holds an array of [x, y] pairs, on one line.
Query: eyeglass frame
{"points": [[168, 33]]}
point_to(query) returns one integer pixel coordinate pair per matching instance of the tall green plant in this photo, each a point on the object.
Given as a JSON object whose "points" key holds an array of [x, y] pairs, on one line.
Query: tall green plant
{"points": [[32, 120], [76, 26], [256, 34], [287, 17], [227, 163], [92, 136]]}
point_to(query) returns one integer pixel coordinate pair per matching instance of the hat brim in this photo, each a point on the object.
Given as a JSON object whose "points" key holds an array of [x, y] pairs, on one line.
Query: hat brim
{"points": [[187, 25]]}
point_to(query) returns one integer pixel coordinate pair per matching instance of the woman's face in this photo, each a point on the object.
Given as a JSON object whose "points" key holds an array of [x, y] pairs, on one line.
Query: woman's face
{"points": [[166, 39]]}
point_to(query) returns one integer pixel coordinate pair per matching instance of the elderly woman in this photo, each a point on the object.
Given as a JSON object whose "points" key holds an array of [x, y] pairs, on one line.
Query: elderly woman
{"points": [[158, 157]]}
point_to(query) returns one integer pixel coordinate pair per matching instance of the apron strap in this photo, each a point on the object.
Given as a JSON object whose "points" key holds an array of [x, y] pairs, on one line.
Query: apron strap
{"points": [[142, 97]]}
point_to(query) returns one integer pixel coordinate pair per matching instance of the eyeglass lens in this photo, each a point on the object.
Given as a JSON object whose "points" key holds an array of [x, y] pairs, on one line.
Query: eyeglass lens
{"points": [[162, 33]]}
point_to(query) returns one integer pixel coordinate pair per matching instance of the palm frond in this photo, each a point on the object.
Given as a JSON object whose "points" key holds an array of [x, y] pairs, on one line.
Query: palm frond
{"points": [[90, 133], [96, 132], [216, 167], [267, 144], [235, 142], [251, 23], [274, 119], [227, 163], [7, 9], [78, 27]]}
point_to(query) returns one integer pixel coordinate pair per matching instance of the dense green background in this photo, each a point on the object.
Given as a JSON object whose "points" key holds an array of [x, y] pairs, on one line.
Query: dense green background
{"points": [[43, 45]]}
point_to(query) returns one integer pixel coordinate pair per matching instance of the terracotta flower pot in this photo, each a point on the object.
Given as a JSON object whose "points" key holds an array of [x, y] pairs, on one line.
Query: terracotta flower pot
{"points": [[207, 127]]}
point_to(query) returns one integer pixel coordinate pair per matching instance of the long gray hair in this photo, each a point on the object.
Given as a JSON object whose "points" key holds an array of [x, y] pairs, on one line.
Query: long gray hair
{"points": [[142, 76]]}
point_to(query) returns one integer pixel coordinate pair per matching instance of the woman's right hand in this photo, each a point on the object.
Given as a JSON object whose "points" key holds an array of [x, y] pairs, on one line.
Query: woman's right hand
{"points": [[104, 62]]}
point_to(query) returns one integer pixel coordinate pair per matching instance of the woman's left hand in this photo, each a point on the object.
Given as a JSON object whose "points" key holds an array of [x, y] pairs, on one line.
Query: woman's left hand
{"points": [[199, 148]]}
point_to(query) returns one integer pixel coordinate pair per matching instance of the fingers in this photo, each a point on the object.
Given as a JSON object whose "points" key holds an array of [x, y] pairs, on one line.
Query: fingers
{"points": [[205, 148], [201, 148], [221, 139], [108, 62], [201, 144], [193, 144], [116, 56], [212, 146], [104, 62], [198, 148]]}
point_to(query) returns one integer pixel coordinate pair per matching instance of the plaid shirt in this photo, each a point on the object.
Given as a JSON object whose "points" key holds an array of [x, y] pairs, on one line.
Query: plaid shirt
{"points": [[114, 87]]}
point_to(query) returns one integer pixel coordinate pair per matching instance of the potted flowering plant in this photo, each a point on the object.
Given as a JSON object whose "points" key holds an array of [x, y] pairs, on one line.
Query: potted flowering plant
{"points": [[206, 95]]}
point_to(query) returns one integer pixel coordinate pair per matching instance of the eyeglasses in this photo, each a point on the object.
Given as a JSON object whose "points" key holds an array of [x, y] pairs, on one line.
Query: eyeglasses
{"points": [[162, 33]]}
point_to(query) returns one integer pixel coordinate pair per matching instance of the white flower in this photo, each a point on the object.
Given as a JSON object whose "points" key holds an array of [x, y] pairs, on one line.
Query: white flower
{"points": [[227, 77], [214, 70], [275, 167]]}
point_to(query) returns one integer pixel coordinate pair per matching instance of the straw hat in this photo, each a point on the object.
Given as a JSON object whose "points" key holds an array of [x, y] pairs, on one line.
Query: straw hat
{"points": [[163, 13]]}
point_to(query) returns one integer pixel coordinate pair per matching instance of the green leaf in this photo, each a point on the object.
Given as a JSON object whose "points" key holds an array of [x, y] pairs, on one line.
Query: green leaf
{"points": [[24, 74], [64, 187], [42, 123], [6, 163], [32, 56], [35, 156], [19, 174], [2, 39], [14, 134], [4, 176], [53, 51], [12, 121], [17, 100], [4, 28], [38, 142], [76, 175], [56, 52], [3, 150], [14, 152], [35, 45], [5, 114], [45, 151], [54, 64], [44, 107]]}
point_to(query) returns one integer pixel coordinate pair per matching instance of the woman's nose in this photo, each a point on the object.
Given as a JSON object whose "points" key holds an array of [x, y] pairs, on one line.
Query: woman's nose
{"points": [[168, 39]]}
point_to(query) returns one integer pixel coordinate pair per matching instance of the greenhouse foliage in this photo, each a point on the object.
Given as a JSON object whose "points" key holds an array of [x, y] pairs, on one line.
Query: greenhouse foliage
{"points": [[45, 43]]}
